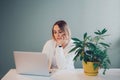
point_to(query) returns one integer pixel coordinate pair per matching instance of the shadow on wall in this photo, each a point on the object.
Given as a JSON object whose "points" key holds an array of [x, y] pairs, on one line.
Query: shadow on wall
{"points": [[118, 45], [115, 54], [78, 63]]}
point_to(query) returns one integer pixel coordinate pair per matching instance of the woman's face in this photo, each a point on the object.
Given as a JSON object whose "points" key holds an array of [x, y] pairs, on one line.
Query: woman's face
{"points": [[58, 34]]}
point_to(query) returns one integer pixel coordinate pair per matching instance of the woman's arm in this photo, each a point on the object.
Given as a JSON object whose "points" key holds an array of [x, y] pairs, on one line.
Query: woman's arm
{"points": [[60, 58], [47, 50], [64, 62]]}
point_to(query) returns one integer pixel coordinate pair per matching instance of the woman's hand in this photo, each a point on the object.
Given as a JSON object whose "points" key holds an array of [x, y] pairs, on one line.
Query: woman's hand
{"points": [[63, 41]]}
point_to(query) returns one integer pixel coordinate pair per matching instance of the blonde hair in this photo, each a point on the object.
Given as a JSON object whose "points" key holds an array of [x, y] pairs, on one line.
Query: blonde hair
{"points": [[64, 27]]}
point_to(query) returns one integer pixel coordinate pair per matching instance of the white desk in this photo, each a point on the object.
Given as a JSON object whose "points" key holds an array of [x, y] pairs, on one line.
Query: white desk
{"points": [[78, 74]]}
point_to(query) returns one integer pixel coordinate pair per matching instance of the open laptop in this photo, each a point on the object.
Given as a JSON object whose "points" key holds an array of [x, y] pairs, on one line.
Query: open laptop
{"points": [[32, 63]]}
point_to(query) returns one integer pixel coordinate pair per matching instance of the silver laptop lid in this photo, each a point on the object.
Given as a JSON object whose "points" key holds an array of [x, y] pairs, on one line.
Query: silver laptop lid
{"points": [[33, 63]]}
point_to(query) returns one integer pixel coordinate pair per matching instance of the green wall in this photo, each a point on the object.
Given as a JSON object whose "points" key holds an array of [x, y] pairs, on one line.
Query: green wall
{"points": [[26, 25]]}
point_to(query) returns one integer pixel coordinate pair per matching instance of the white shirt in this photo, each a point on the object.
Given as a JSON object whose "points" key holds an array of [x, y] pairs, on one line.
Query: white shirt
{"points": [[58, 57]]}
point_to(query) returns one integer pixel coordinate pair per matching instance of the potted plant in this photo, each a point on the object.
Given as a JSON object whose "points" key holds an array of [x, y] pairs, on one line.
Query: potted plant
{"points": [[92, 51]]}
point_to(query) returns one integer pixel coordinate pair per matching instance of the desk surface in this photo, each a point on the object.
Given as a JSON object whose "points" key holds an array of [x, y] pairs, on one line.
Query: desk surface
{"points": [[78, 74]]}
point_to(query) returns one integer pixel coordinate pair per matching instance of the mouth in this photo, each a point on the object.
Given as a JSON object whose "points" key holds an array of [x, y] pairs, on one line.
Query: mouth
{"points": [[58, 38]]}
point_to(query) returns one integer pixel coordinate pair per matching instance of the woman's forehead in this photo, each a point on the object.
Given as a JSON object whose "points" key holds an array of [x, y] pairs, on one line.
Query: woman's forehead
{"points": [[57, 27]]}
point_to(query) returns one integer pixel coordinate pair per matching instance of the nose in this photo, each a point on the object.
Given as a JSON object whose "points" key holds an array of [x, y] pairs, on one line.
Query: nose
{"points": [[58, 34]]}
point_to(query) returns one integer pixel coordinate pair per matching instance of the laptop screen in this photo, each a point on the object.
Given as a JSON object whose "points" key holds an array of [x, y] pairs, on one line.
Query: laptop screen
{"points": [[33, 63]]}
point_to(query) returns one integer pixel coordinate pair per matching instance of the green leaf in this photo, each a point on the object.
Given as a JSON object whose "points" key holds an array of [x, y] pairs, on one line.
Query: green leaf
{"points": [[104, 71], [76, 39], [97, 33], [80, 51], [108, 60], [101, 32], [91, 46], [95, 65], [77, 43], [75, 58], [104, 44], [86, 58], [85, 35], [81, 58], [104, 31], [73, 49]]}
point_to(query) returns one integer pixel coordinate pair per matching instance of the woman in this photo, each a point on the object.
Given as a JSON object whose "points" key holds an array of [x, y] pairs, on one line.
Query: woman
{"points": [[57, 49]]}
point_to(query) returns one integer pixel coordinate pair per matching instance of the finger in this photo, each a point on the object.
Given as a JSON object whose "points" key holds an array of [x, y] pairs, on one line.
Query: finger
{"points": [[65, 37]]}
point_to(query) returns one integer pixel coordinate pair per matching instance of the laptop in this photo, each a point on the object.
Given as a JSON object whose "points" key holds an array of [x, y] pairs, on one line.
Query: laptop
{"points": [[31, 63]]}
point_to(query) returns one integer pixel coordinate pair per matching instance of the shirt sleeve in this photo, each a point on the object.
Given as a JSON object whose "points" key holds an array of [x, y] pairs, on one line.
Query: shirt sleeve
{"points": [[47, 50], [60, 58], [64, 62]]}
